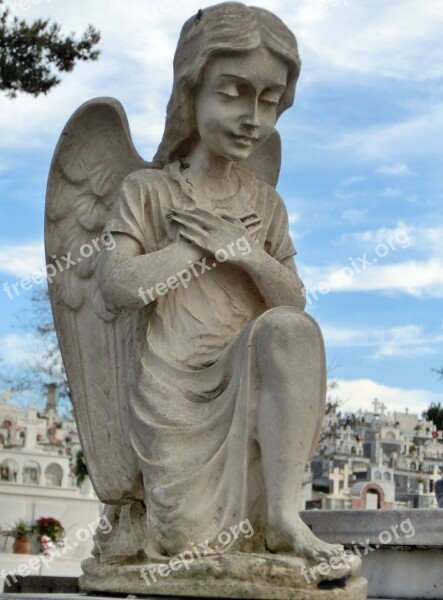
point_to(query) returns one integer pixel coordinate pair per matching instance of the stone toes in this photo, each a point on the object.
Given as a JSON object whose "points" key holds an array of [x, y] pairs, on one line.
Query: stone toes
{"points": [[318, 556]]}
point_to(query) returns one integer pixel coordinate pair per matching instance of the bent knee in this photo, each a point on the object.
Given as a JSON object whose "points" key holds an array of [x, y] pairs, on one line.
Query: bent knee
{"points": [[287, 325]]}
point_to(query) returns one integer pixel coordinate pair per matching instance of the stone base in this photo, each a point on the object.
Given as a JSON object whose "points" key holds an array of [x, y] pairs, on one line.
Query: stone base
{"points": [[236, 575]]}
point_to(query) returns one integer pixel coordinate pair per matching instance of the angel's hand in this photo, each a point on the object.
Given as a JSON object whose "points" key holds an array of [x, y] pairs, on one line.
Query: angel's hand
{"points": [[212, 232]]}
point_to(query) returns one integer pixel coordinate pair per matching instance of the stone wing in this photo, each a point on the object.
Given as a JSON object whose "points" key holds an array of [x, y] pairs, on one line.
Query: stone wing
{"points": [[93, 156], [265, 162]]}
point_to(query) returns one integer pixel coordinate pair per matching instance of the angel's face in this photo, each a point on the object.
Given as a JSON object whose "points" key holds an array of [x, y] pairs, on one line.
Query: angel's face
{"points": [[236, 106]]}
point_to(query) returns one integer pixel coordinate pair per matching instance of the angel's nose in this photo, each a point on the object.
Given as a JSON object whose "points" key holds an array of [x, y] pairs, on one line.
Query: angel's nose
{"points": [[251, 119]]}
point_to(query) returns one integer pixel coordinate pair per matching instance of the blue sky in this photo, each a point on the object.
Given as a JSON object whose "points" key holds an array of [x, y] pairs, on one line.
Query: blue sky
{"points": [[361, 174]]}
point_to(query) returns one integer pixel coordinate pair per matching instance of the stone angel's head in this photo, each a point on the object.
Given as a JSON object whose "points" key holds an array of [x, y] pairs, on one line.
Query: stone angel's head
{"points": [[235, 71]]}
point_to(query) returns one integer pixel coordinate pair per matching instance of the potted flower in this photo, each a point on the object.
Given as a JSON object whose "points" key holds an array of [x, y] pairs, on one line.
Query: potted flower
{"points": [[22, 540], [421, 482], [50, 533]]}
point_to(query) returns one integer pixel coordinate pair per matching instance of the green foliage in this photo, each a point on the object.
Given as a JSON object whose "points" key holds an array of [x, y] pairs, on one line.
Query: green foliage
{"points": [[80, 468], [50, 527], [30, 54], [21, 530], [435, 414], [349, 419], [320, 488]]}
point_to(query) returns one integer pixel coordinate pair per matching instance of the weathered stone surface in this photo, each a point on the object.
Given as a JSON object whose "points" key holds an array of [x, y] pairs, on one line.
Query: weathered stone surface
{"points": [[228, 576], [198, 380], [408, 527]]}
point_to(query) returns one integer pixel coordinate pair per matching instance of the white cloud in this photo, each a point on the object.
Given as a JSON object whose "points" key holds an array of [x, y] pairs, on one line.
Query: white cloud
{"points": [[415, 278], [382, 142], [400, 236], [353, 180], [18, 350], [138, 42], [22, 260], [398, 168], [355, 216], [428, 239], [396, 39], [404, 340], [293, 218], [359, 393], [390, 192], [422, 237]]}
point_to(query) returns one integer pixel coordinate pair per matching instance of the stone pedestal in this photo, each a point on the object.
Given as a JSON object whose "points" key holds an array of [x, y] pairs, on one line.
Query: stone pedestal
{"points": [[237, 575]]}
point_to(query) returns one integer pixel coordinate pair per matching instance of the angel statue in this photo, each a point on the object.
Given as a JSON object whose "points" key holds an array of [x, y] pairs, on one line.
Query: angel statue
{"points": [[198, 381]]}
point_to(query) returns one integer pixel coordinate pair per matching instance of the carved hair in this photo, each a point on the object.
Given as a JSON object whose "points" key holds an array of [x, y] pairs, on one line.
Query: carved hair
{"points": [[230, 27]]}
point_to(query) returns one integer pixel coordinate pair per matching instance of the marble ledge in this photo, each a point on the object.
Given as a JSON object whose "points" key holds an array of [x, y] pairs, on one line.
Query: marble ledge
{"points": [[88, 597]]}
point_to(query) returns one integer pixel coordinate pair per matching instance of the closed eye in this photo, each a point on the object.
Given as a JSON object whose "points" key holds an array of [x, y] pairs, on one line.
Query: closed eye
{"points": [[227, 95], [270, 97], [230, 91]]}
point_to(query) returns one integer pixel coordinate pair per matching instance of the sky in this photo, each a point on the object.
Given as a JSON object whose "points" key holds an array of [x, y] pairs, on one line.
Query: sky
{"points": [[361, 174]]}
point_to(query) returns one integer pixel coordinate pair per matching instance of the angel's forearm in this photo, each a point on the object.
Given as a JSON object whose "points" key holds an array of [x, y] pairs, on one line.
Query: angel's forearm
{"points": [[124, 284], [278, 285]]}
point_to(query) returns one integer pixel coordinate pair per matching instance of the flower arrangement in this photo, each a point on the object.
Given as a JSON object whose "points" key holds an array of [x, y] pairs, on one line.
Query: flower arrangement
{"points": [[51, 529]]}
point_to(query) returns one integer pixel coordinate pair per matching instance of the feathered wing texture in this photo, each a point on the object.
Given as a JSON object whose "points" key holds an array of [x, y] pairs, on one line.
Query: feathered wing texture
{"points": [[94, 154]]}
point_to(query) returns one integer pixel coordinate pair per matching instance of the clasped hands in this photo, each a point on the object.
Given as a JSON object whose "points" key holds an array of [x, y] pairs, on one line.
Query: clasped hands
{"points": [[212, 232]]}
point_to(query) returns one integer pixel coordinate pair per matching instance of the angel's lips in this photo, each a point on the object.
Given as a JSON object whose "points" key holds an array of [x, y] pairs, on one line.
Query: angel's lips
{"points": [[245, 140]]}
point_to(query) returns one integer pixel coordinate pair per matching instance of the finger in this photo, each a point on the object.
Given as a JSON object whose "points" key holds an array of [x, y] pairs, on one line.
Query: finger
{"points": [[232, 220], [248, 215], [189, 223], [255, 229], [252, 223], [192, 239], [192, 217], [193, 228], [203, 211]]}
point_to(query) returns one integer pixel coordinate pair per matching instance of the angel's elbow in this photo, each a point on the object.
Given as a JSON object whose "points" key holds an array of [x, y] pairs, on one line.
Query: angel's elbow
{"points": [[112, 296], [111, 306]]}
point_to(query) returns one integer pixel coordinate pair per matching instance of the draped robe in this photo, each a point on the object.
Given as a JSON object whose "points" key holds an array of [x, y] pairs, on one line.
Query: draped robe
{"points": [[195, 392]]}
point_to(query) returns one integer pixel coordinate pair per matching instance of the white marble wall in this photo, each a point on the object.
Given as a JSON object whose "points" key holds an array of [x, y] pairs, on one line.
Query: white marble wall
{"points": [[78, 514]]}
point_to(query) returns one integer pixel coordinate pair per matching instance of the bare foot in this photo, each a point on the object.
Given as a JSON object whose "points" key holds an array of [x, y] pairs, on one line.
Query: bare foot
{"points": [[293, 535]]}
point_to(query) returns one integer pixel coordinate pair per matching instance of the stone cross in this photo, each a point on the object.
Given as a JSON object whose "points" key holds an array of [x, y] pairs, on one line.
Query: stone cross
{"points": [[6, 397], [335, 477], [347, 472], [376, 405]]}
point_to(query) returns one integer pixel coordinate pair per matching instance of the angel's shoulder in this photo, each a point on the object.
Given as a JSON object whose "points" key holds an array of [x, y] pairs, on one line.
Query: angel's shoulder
{"points": [[146, 178]]}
